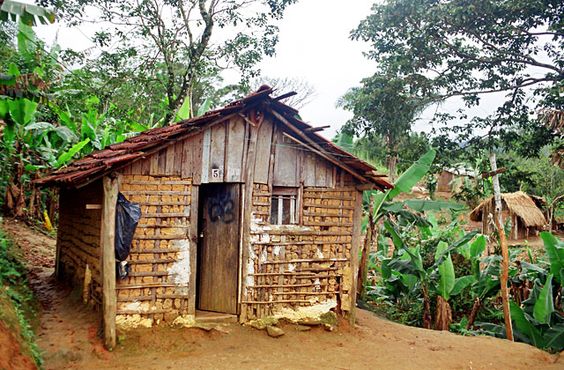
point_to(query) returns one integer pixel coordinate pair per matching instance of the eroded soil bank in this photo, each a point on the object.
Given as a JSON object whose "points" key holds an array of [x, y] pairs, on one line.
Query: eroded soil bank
{"points": [[68, 337]]}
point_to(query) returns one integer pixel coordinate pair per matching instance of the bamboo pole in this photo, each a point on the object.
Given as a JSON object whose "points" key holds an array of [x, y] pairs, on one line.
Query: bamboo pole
{"points": [[107, 245], [504, 249]]}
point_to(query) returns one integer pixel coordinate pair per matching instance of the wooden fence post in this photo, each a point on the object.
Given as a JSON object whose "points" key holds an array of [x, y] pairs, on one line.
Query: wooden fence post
{"points": [[504, 274], [108, 265]]}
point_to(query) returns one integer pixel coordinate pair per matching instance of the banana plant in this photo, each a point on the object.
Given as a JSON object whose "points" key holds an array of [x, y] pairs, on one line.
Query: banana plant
{"points": [[27, 13], [381, 205], [538, 320], [407, 267]]}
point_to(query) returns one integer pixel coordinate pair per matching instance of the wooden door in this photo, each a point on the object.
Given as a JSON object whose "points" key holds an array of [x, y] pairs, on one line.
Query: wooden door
{"points": [[218, 250]]}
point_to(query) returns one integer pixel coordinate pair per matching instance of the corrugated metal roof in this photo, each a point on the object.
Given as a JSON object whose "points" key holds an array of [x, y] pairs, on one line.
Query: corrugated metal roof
{"points": [[115, 156]]}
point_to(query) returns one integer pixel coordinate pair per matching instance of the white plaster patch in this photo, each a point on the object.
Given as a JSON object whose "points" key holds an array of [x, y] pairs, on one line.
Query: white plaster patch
{"points": [[310, 312], [317, 284], [291, 267], [265, 238], [249, 279], [180, 270], [137, 306], [263, 256], [319, 254], [276, 250], [185, 320], [128, 322]]}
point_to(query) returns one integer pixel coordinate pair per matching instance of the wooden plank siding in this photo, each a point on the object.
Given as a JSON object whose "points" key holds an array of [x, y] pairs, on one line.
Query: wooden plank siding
{"points": [[222, 148]]}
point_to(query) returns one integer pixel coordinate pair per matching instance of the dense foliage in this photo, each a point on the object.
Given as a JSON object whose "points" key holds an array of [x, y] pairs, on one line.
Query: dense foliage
{"points": [[152, 55]]}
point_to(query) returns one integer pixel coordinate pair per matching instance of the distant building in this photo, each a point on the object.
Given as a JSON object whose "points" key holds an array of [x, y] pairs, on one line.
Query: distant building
{"points": [[526, 217], [450, 180]]}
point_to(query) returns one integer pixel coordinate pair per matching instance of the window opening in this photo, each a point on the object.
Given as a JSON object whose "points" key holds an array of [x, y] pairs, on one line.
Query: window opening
{"points": [[283, 206]]}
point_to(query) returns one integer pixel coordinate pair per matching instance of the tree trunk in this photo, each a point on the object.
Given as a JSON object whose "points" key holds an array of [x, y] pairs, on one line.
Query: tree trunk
{"points": [[504, 249], [392, 166], [474, 313], [443, 314], [366, 248], [426, 308]]}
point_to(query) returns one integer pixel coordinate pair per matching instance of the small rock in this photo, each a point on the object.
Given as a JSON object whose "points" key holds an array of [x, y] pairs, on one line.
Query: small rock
{"points": [[303, 327], [261, 324], [309, 321], [274, 332]]}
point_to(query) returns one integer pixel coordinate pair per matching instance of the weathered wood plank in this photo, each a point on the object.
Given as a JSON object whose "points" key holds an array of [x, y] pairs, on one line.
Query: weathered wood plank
{"points": [[309, 169], [285, 163], [262, 163], [206, 144], [170, 160], [108, 269], [234, 151], [193, 239], [246, 209], [197, 152], [154, 167], [320, 172], [217, 154]]}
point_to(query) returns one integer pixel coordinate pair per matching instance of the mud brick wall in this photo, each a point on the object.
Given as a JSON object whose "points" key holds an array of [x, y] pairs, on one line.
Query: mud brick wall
{"points": [[293, 266], [157, 288], [78, 237]]}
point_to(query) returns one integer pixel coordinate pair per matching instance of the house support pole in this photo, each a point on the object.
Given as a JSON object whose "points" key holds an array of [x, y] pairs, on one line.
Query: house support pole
{"points": [[247, 213], [107, 245]]}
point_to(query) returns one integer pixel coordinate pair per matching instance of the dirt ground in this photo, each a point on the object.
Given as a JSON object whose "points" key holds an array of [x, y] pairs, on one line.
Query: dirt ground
{"points": [[68, 335]]}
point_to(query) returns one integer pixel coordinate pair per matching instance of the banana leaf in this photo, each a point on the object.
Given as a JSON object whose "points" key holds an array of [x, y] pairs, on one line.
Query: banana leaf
{"points": [[555, 250], [544, 306], [531, 334]]}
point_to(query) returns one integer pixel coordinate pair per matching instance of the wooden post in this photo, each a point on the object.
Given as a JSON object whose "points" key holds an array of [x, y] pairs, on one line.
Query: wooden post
{"points": [[504, 249], [108, 263], [247, 211], [357, 216], [368, 241], [194, 239]]}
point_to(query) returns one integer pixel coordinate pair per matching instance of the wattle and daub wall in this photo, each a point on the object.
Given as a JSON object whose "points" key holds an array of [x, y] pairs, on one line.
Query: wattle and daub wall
{"points": [[286, 269]]}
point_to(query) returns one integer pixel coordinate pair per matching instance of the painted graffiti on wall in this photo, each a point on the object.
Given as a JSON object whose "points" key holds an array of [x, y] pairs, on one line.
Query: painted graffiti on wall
{"points": [[221, 207]]}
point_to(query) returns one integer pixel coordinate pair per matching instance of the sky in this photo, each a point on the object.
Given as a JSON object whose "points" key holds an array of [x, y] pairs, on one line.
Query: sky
{"points": [[314, 46]]}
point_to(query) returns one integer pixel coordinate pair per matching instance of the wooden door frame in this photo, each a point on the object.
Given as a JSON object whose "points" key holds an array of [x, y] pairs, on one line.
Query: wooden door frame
{"points": [[199, 241]]}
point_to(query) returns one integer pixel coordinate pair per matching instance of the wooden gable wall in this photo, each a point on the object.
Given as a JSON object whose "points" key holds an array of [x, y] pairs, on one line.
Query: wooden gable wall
{"points": [[218, 154]]}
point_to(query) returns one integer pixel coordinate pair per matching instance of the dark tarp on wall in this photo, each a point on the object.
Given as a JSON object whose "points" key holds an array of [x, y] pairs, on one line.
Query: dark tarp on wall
{"points": [[127, 217]]}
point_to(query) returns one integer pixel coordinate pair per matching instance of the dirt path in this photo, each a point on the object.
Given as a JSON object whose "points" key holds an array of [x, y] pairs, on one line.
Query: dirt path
{"points": [[68, 336]]}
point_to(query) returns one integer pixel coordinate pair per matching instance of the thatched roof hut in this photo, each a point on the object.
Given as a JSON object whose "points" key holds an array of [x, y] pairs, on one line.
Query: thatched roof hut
{"points": [[519, 207]]}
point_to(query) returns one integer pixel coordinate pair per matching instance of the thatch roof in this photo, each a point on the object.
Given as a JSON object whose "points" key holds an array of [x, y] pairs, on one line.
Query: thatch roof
{"points": [[519, 203]]}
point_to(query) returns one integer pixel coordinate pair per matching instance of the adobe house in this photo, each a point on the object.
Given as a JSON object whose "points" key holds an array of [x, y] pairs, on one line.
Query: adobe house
{"points": [[450, 180], [246, 213], [519, 208]]}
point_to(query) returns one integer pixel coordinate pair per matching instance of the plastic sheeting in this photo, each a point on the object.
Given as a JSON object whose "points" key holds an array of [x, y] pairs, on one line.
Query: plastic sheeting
{"points": [[127, 218]]}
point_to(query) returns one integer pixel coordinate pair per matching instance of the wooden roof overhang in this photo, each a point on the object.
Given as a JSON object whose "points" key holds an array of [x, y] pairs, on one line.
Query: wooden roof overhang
{"points": [[116, 156]]}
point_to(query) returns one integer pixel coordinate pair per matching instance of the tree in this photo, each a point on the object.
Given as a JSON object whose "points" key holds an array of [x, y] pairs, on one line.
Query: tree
{"points": [[167, 45], [386, 106], [471, 48]]}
